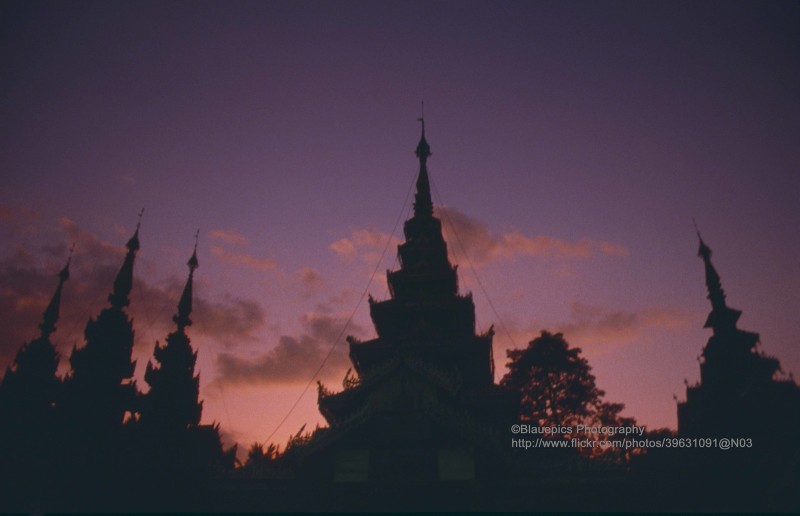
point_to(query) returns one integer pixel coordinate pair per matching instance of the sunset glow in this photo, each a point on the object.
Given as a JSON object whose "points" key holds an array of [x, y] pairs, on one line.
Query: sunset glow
{"points": [[573, 144]]}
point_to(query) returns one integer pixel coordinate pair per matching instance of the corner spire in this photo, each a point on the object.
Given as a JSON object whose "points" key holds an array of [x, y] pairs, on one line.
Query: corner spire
{"points": [[721, 317], [423, 205], [50, 316], [185, 304], [124, 280]]}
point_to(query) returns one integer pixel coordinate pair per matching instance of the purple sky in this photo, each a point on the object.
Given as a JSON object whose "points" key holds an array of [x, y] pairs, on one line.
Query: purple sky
{"points": [[572, 144]]}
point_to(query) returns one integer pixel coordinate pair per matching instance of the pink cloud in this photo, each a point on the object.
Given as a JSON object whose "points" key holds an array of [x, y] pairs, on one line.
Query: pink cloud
{"points": [[367, 243], [295, 358], [598, 329], [28, 279], [243, 259], [483, 247], [228, 236]]}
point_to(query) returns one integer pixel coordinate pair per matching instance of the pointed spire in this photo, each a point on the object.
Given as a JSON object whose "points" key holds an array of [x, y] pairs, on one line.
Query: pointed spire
{"points": [[50, 316], [124, 280], [185, 304], [423, 205], [721, 317]]}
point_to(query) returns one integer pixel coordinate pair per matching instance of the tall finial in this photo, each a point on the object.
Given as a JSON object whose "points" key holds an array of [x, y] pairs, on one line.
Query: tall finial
{"points": [[64, 274], [193, 263], [185, 303], [704, 250], [423, 149], [722, 317], [50, 316], [423, 205], [124, 280]]}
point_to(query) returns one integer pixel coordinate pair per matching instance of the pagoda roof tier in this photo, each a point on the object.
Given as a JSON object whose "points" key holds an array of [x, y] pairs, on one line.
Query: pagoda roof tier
{"points": [[407, 383], [429, 319], [471, 357]]}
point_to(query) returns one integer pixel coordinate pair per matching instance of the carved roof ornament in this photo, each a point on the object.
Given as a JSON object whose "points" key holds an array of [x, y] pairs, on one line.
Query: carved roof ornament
{"points": [[50, 316], [722, 317], [124, 280], [185, 304]]}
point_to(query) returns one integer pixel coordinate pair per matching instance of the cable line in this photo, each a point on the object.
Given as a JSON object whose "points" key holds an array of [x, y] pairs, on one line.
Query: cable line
{"points": [[349, 319], [452, 226]]}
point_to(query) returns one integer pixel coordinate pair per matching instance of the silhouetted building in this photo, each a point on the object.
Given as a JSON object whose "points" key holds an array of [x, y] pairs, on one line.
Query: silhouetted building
{"points": [[29, 390], [98, 389], [739, 393], [28, 395], [176, 454], [422, 405], [171, 405]]}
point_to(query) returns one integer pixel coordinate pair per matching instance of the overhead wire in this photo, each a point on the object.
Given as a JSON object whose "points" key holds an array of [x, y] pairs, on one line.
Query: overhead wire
{"points": [[452, 226], [349, 319]]}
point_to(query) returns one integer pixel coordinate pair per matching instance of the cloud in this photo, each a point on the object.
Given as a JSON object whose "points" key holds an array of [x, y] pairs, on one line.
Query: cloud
{"points": [[295, 359], [482, 246], [245, 259], [311, 279], [24, 295], [228, 320], [28, 278], [229, 236], [596, 329], [19, 224], [6, 213], [367, 243]]}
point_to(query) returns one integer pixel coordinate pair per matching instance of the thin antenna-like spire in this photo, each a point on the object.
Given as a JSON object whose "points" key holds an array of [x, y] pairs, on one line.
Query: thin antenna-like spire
{"points": [[193, 263], [704, 249], [185, 304], [722, 317], [124, 280], [50, 316], [423, 205]]}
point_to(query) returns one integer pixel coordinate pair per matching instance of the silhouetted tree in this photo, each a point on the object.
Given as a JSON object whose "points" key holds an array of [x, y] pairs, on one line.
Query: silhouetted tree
{"points": [[557, 388], [259, 454], [555, 383]]}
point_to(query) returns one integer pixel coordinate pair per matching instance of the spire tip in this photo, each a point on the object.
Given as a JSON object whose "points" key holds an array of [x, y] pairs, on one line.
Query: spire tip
{"points": [[193, 263]]}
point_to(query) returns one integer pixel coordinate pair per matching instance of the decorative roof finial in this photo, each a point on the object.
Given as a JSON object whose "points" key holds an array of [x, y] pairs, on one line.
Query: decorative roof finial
{"points": [[124, 280], [722, 317], [50, 316], [704, 250], [423, 149], [193, 263], [423, 205], [185, 304]]}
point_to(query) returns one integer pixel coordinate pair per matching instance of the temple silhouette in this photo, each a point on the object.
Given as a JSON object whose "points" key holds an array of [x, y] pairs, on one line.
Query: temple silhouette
{"points": [[92, 441], [419, 423], [739, 393], [423, 403]]}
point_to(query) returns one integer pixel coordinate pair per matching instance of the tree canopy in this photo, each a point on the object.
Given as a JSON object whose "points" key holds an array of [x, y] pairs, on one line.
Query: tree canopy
{"points": [[557, 387]]}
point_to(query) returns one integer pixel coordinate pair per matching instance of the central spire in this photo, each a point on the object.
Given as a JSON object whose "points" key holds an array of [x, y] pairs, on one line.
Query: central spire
{"points": [[423, 205]]}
